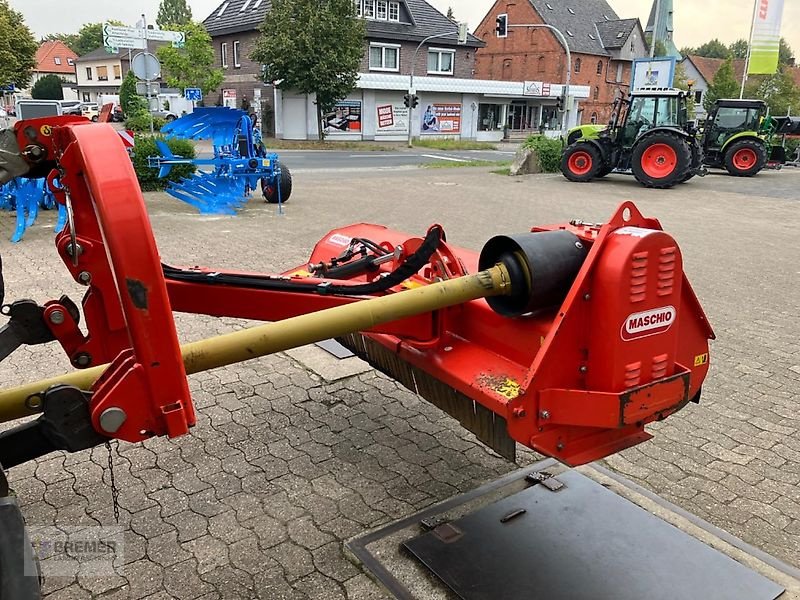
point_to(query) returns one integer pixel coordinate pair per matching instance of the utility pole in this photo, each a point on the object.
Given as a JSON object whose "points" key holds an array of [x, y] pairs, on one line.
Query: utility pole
{"points": [[563, 40]]}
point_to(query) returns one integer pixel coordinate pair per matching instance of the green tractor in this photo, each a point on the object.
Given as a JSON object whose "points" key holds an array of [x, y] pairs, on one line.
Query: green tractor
{"points": [[650, 135], [737, 137]]}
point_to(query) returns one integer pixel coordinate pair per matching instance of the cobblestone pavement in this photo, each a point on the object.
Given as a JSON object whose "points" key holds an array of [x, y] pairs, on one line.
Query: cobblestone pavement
{"points": [[283, 466]]}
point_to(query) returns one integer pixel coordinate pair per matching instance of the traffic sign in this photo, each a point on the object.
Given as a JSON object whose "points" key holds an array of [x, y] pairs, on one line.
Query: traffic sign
{"points": [[146, 66], [123, 42], [122, 32], [158, 35], [193, 94]]}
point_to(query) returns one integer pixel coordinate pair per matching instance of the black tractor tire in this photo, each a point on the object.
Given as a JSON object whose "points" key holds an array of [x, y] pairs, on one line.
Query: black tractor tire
{"points": [[270, 191], [745, 158], [605, 170], [661, 160], [581, 162]]}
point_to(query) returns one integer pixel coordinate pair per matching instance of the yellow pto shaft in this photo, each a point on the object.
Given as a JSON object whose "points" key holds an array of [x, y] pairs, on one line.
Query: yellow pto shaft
{"points": [[278, 336]]}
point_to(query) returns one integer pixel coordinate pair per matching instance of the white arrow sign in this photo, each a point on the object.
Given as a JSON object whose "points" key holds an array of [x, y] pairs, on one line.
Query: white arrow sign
{"points": [[123, 42], [122, 32], [165, 36]]}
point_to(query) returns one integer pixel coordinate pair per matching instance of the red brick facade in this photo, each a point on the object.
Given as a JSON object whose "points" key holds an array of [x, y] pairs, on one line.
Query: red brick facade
{"points": [[536, 55]]}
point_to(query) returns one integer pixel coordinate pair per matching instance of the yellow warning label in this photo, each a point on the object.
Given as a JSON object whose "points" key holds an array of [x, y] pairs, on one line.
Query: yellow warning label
{"points": [[508, 389], [300, 273], [700, 359], [45, 130], [410, 285]]}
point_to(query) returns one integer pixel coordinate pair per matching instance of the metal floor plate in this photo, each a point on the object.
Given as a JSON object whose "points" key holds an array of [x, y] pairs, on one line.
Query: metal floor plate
{"points": [[583, 542]]}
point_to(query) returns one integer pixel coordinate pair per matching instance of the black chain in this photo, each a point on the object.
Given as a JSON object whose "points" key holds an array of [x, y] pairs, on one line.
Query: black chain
{"points": [[114, 490]]}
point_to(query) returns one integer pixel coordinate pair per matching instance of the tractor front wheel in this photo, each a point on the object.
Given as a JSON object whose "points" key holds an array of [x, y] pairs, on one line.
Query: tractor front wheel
{"points": [[269, 187], [745, 158], [661, 160], [581, 162]]}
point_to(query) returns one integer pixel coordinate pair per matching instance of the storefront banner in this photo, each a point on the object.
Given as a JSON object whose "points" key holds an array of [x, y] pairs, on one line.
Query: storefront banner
{"points": [[766, 38], [392, 118], [441, 118], [344, 118]]}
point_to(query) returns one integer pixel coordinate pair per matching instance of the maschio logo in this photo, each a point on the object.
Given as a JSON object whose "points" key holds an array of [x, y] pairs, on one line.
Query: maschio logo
{"points": [[648, 322]]}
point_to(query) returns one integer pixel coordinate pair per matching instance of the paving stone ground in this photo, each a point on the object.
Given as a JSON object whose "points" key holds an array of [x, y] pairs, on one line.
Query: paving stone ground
{"points": [[284, 466]]}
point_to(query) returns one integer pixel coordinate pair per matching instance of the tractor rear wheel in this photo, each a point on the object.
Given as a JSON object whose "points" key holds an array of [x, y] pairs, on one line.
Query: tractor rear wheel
{"points": [[745, 158], [270, 190], [581, 162], [661, 160]]}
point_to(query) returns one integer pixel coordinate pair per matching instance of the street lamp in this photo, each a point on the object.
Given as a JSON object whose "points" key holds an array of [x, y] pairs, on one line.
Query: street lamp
{"points": [[462, 39]]}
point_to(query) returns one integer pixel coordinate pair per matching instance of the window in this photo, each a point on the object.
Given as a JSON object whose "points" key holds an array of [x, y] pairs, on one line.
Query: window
{"points": [[599, 67], [577, 65], [369, 9], [70, 62], [384, 57], [570, 34], [89, 73], [86, 97], [381, 12], [102, 73], [117, 72], [698, 96], [358, 7], [594, 118], [222, 9], [236, 62], [394, 11], [440, 61], [591, 36], [541, 64], [596, 92], [619, 72], [57, 60], [244, 6], [571, 11], [257, 4], [223, 51], [549, 6]]}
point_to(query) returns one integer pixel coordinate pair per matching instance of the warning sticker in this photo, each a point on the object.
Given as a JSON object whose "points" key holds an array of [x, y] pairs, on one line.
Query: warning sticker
{"points": [[45, 130], [508, 389], [700, 359]]}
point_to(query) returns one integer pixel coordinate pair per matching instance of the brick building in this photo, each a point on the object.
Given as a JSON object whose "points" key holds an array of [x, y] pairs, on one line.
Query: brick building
{"points": [[602, 45]]}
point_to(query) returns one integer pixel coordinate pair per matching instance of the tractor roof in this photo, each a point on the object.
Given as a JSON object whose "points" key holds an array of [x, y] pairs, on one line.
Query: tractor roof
{"points": [[656, 91], [745, 103]]}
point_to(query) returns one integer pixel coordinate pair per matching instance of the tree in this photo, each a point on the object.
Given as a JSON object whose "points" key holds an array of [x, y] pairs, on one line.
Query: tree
{"points": [[724, 85], [48, 88], [88, 38], [786, 54], [17, 48], [173, 12], [738, 49], [70, 39], [312, 47], [687, 50], [127, 93], [661, 48], [191, 66], [779, 91], [713, 49]]}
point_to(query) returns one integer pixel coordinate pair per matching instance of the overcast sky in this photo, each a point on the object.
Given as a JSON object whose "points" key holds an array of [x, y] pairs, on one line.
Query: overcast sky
{"points": [[695, 21]]}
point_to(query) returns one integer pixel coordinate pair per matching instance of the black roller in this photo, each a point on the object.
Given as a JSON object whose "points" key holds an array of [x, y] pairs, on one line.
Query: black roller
{"points": [[542, 267]]}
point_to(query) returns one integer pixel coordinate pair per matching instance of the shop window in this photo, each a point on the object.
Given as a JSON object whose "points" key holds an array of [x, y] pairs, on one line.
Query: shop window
{"points": [[489, 117]]}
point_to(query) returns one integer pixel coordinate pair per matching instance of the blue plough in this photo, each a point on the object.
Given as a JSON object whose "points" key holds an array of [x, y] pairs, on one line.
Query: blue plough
{"points": [[26, 197], [224, 183]]}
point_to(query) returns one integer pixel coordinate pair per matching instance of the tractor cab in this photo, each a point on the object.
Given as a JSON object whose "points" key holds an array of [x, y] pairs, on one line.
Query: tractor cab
{"points": [[647, 109], [730, 117]]}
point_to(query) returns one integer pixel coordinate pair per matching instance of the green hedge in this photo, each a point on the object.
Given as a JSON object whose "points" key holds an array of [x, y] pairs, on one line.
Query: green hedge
{"points": [[549, 151], [140, 122], [145, 146]]}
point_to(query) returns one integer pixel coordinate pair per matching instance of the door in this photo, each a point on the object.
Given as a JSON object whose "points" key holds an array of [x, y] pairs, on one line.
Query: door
{"points": [[295, 118]]}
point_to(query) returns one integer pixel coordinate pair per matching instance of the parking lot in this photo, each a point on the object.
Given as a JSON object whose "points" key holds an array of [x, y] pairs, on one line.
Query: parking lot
{"points": [[285, 464]]}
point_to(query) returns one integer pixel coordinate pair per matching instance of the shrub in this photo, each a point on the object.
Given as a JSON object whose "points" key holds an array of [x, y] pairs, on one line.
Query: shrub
{"points": [[145, 146], [548, 150], [140, 121]]}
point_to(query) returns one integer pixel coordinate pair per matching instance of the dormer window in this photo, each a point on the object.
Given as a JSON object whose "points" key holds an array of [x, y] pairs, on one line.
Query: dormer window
{"points": [[57, 60], [570, 34], [572, 12], [591, 37], [380, 10], [222, 9], [548, 5]]}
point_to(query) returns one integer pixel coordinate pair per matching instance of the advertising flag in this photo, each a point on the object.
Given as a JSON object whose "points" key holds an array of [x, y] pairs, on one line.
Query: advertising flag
{"points": [[765, 41]]}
